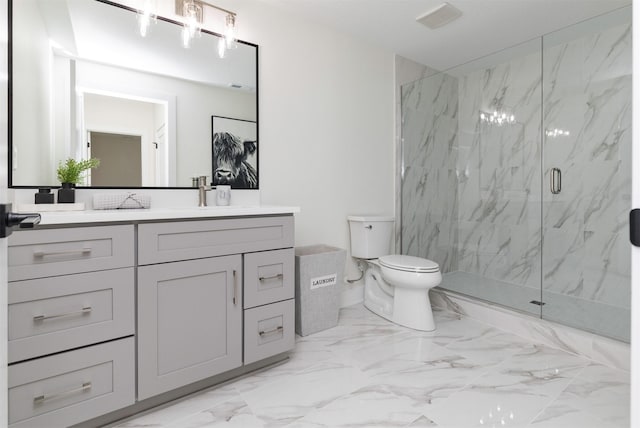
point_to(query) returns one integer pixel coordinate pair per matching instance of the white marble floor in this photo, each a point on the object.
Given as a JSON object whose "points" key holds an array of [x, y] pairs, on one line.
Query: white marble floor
{"points": [[367, 372]]}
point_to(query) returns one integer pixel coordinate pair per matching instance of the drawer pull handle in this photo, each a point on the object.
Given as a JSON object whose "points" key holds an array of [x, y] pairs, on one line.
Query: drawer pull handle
{"points": [[40, 254], [267, 278], [275, 330], [235, 287], [84, 310], [42, 398]]}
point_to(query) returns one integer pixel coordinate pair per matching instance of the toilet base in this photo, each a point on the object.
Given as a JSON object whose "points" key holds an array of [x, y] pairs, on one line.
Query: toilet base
{"points": [[416, 310]]}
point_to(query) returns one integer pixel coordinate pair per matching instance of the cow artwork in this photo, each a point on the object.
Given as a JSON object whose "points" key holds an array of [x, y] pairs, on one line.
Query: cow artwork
{"points": [[230, 161]]}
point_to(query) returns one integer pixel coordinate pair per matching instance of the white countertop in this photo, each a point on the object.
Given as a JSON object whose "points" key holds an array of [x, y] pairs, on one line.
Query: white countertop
{"points": [[104, 216]]}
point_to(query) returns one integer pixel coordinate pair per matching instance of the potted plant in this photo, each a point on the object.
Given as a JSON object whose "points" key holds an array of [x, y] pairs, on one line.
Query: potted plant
{"points": [[70, 174]]}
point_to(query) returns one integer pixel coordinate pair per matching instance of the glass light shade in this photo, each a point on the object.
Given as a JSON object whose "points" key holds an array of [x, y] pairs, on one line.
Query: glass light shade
{"points": [[222, 47], [146, 16], [230, 32]]}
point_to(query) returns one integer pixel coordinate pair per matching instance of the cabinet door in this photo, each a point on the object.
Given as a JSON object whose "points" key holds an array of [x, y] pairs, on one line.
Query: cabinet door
{"points": [[189, 322]]}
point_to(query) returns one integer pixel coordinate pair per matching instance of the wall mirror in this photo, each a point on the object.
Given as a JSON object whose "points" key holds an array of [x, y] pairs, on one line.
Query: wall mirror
{"points": [[85, 83]]}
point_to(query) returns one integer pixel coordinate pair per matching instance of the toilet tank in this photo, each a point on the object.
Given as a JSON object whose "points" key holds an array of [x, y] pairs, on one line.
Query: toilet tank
{"points": [[371, 236]]}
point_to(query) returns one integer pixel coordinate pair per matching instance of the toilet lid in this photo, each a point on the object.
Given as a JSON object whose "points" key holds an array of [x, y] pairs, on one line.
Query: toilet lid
{"points": [[409, 263]]}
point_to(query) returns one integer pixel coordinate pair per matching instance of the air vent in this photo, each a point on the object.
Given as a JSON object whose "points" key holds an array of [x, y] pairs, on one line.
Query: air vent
{"points": [[440, 16]]}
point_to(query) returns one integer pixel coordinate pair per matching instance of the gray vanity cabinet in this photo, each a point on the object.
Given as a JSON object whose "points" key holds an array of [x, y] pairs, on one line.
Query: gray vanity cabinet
{"points": [[191, 280], [70, 324], [189, 322], [209, 296]]}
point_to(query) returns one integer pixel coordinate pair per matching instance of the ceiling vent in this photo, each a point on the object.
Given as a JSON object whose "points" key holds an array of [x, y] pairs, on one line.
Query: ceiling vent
{"points": [[440, 16]]}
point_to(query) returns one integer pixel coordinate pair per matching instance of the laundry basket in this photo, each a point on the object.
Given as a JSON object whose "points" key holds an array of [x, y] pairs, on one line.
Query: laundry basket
{"points": [[319, 274]]}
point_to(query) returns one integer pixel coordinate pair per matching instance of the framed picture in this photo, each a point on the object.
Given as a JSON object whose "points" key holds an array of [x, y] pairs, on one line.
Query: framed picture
{"points": [[234, 149]]}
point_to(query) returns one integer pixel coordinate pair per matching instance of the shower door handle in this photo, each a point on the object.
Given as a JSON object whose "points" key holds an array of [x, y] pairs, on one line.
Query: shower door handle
{"points": [[634, 227], [556, 181]]}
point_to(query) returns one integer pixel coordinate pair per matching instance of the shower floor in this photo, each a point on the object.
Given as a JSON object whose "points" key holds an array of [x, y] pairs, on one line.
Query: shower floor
{"points": [[595, 317]]}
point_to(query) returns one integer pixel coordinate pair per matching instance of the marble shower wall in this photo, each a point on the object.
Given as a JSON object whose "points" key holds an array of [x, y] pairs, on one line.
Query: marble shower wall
{"points": [[499, 171], [429, 184], [587, 92], [474, 197]]}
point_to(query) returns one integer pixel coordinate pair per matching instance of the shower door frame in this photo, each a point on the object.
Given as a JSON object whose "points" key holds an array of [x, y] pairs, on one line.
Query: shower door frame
{"points": [[635, 202]]}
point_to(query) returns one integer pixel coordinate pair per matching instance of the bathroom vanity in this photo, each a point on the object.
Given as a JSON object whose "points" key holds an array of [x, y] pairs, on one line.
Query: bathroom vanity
{"points": [[111, 313]]}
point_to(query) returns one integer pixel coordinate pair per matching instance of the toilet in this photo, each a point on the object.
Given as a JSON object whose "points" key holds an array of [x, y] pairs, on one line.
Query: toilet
{"points": [[396, 287]]}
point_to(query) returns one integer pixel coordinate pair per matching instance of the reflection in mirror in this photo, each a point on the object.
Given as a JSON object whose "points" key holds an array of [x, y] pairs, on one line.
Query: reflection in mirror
{"points": [[86, 84]]}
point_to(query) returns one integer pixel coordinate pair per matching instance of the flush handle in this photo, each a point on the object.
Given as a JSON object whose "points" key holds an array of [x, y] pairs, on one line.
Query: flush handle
{"points": [[369, 226]]}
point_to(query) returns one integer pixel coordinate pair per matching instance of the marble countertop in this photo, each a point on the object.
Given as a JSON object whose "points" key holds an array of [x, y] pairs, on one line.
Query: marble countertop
{"points": [[104, 216]]}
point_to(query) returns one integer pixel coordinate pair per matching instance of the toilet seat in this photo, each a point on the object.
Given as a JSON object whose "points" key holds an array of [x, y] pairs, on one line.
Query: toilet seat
{"points": [[409, 263]]}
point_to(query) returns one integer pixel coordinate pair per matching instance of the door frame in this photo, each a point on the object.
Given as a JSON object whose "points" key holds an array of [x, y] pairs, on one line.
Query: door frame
{"points": [[4, 197], [635, 203]]}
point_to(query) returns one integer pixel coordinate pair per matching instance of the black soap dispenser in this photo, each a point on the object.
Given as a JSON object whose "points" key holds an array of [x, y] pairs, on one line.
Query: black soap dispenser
{"points": [[44, 196]]}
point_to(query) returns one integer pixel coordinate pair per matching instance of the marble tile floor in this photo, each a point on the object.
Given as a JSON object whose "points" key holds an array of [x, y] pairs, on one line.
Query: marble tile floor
{"points": [[368, 372]]}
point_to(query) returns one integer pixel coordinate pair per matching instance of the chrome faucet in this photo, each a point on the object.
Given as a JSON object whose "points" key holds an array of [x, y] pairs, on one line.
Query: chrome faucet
{"points": [[202, 191]]}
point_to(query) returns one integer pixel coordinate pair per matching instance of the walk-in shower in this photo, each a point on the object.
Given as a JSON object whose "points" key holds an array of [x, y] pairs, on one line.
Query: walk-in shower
{"points": [[516, 175]]}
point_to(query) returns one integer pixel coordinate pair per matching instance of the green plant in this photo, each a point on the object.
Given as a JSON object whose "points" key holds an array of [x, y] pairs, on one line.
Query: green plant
{"points": [[70, 171]]}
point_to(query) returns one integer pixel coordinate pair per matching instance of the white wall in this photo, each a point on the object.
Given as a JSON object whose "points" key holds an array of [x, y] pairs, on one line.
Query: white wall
{"points": [[326, 125], [326, 121]]}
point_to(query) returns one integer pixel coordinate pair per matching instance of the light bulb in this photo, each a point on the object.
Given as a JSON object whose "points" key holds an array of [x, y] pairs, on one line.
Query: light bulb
{"points": [[230, 31], [222, 47], [146, 16], [186, 38]]}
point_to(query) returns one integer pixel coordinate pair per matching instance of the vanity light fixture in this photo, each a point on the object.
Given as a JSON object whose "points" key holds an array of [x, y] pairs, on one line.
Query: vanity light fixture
{"points": [[146, 16], [193, 12]]}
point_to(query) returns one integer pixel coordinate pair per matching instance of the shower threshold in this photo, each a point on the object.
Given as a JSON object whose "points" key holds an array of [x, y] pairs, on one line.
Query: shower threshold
{"points": [[595, 317]]}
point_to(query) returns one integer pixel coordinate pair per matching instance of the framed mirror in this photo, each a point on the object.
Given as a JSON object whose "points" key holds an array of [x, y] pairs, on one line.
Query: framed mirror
{"points": [[84, 83]]}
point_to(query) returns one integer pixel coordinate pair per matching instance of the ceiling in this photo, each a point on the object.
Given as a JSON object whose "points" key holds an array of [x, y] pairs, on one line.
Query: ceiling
{"points": [[101, 33], [486, 26]]}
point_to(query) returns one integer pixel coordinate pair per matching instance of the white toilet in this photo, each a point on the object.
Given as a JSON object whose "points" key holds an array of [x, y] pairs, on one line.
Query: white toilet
{"points": [[396, 287]]}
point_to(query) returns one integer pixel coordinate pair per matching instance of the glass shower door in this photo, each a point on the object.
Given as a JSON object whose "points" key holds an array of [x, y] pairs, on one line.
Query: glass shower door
{"points": [[586, 167], [471, 176]]}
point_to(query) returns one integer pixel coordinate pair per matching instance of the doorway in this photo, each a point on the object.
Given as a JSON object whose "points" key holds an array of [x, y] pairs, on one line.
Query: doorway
{"points": [[120, 159]]}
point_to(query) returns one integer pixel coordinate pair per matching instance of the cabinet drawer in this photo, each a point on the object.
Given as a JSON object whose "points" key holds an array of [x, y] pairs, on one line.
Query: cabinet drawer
{"points": [[49, 315], [71, 387], [186, 240], [268, 277], [268, 330], [50, 252]]}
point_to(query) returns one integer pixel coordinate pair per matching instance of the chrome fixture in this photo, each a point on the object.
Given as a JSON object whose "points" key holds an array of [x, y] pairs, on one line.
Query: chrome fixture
{"points": [[193, 13], [202, 191], [193, 17], [556, 181]]}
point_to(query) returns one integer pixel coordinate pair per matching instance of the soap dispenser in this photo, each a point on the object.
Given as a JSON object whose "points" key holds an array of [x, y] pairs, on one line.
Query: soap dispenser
{"points": [[44, 196]]}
